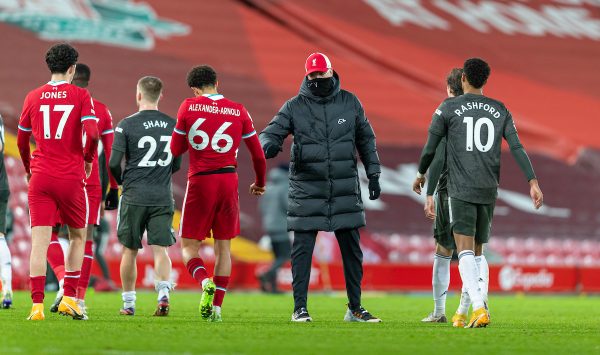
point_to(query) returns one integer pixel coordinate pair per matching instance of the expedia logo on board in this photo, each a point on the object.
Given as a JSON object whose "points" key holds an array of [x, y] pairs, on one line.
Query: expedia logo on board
{"points": [[112, 22], [513, 277]]}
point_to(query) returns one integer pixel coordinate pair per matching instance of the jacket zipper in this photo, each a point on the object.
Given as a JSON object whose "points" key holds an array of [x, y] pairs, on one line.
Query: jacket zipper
{"points": [[328, 167]]}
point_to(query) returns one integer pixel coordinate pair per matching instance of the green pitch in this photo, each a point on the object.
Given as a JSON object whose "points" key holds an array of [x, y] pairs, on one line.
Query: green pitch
{"points": [[259, 324]]}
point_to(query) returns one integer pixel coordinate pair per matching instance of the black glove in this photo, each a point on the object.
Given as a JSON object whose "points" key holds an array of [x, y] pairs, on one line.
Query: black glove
{"points": [[374, 188], [270, 150], [112, 200]]}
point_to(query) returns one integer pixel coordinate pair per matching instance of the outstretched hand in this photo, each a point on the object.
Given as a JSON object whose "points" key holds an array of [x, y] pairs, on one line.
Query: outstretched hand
{"points": [[257, 190]]}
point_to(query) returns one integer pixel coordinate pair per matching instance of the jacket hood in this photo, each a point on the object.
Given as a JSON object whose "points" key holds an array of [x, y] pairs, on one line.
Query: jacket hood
{"points": [[304, 91], [277, 176]]}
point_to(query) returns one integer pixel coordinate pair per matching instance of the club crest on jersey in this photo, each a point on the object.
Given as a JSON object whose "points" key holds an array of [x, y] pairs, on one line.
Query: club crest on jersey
{"points": [[341, 120]]}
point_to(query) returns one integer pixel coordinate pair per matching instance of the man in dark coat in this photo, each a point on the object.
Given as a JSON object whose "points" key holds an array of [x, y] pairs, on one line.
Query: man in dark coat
{"points": [[329, 127]]}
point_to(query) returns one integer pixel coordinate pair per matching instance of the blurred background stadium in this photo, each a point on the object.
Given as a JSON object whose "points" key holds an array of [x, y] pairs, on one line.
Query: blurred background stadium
{"points": [[394, 54]]}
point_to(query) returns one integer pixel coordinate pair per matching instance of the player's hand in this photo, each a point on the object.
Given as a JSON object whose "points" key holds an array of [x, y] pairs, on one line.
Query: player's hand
{"points": [[429, 207], [418, 184], [257, 190], [112, 200], [374, 187], [536, 194], [88, 170]]}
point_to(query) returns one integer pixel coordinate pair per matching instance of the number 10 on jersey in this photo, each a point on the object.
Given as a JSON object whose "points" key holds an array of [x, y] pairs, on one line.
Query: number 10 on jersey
{"points": [[474, 134]]}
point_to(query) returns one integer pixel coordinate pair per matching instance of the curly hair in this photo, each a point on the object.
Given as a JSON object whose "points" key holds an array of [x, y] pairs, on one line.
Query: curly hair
{"points": [[454, 81], [202, 76], [477, 72], [60, 57]]}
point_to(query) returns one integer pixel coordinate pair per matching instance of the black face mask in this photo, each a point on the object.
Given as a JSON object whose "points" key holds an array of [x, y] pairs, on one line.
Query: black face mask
{"points": [[320, 86]]}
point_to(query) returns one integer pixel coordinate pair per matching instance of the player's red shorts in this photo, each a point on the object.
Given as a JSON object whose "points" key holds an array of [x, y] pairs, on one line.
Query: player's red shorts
{"points": [[94, 194], [211, 203], [49, 195]]}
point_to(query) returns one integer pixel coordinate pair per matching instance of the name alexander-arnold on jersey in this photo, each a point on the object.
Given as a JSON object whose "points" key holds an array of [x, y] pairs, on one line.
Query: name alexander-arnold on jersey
{"points": [[214, 109], [477, 106]]}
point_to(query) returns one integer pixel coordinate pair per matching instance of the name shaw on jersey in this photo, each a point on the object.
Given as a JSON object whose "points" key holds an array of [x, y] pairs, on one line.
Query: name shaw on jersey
{"points": [[478, 106], [156, 123], [214, 109]]}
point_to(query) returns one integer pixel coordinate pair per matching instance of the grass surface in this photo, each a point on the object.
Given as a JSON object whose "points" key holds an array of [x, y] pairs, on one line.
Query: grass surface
{"points": [[259, 324]]}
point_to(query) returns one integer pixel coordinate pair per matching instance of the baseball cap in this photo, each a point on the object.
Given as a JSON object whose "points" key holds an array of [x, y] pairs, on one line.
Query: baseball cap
{"points": [[317, 62]]}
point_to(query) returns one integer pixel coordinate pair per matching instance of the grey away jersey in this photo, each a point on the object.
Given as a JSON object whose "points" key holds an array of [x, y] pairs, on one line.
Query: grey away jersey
{"points": [[474, 126], [145, 138], [443, 180], [3, 177]]}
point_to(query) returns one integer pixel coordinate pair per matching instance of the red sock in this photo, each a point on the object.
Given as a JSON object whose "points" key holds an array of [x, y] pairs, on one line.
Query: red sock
{"points": [[197, 270], [71, 281], [56, 257], [221, 283], [37, 284], [86, 270]]}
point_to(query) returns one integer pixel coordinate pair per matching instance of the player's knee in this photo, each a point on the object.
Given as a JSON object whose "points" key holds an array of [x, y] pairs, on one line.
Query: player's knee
{"points": [[439, 249]]}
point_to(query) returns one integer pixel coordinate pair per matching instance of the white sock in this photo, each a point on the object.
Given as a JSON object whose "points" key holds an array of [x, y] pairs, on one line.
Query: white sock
{"points": [[440, 282], [465, 302], [469, 275], [64, 244], [217, 309], [204, 282], [61, 290], [163, 288], [128, 299], [484, 275], [5, 266]]}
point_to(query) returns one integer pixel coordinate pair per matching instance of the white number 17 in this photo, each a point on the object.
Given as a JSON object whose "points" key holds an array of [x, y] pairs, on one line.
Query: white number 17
{"points": [[65, 109]]}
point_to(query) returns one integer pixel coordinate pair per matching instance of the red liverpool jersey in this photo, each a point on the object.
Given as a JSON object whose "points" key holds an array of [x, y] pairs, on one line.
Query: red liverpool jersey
{"points": [[214, 127], [105, 127], [55, 112]]}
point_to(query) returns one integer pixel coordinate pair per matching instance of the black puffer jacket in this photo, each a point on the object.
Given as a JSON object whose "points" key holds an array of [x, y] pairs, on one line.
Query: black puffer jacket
{"points": [[324, 189]]}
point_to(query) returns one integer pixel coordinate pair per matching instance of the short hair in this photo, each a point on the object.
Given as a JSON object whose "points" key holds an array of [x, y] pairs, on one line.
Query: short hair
{"points": [[151, 88], [202, 76], [453, 81], [82, 73], [60, 57], [477, 72]]}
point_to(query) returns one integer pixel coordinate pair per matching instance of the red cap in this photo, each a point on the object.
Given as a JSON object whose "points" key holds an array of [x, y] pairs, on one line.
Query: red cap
{"points": [[317, 62]]}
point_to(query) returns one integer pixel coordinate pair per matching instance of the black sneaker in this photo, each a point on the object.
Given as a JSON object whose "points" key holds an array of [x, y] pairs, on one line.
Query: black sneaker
{"points": [[301, 315], [360, 315]]}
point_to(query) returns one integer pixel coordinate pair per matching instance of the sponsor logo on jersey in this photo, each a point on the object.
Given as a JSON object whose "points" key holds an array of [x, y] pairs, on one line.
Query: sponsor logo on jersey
{"points": [[341, 120], [122, 23]]}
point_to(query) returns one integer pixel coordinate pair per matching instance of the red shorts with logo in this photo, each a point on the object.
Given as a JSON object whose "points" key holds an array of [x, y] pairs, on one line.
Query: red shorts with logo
{"points": [[211, 203], [51, 199], [94, 194]]}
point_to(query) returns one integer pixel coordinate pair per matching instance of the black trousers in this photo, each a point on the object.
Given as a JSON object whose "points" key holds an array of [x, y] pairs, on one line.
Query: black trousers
{"points": [[302, 250]]}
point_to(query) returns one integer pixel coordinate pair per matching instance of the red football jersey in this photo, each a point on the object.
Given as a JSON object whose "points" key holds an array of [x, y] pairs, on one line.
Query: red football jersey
{"points": [[214, 127], [105, 127], [55, 112]]}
